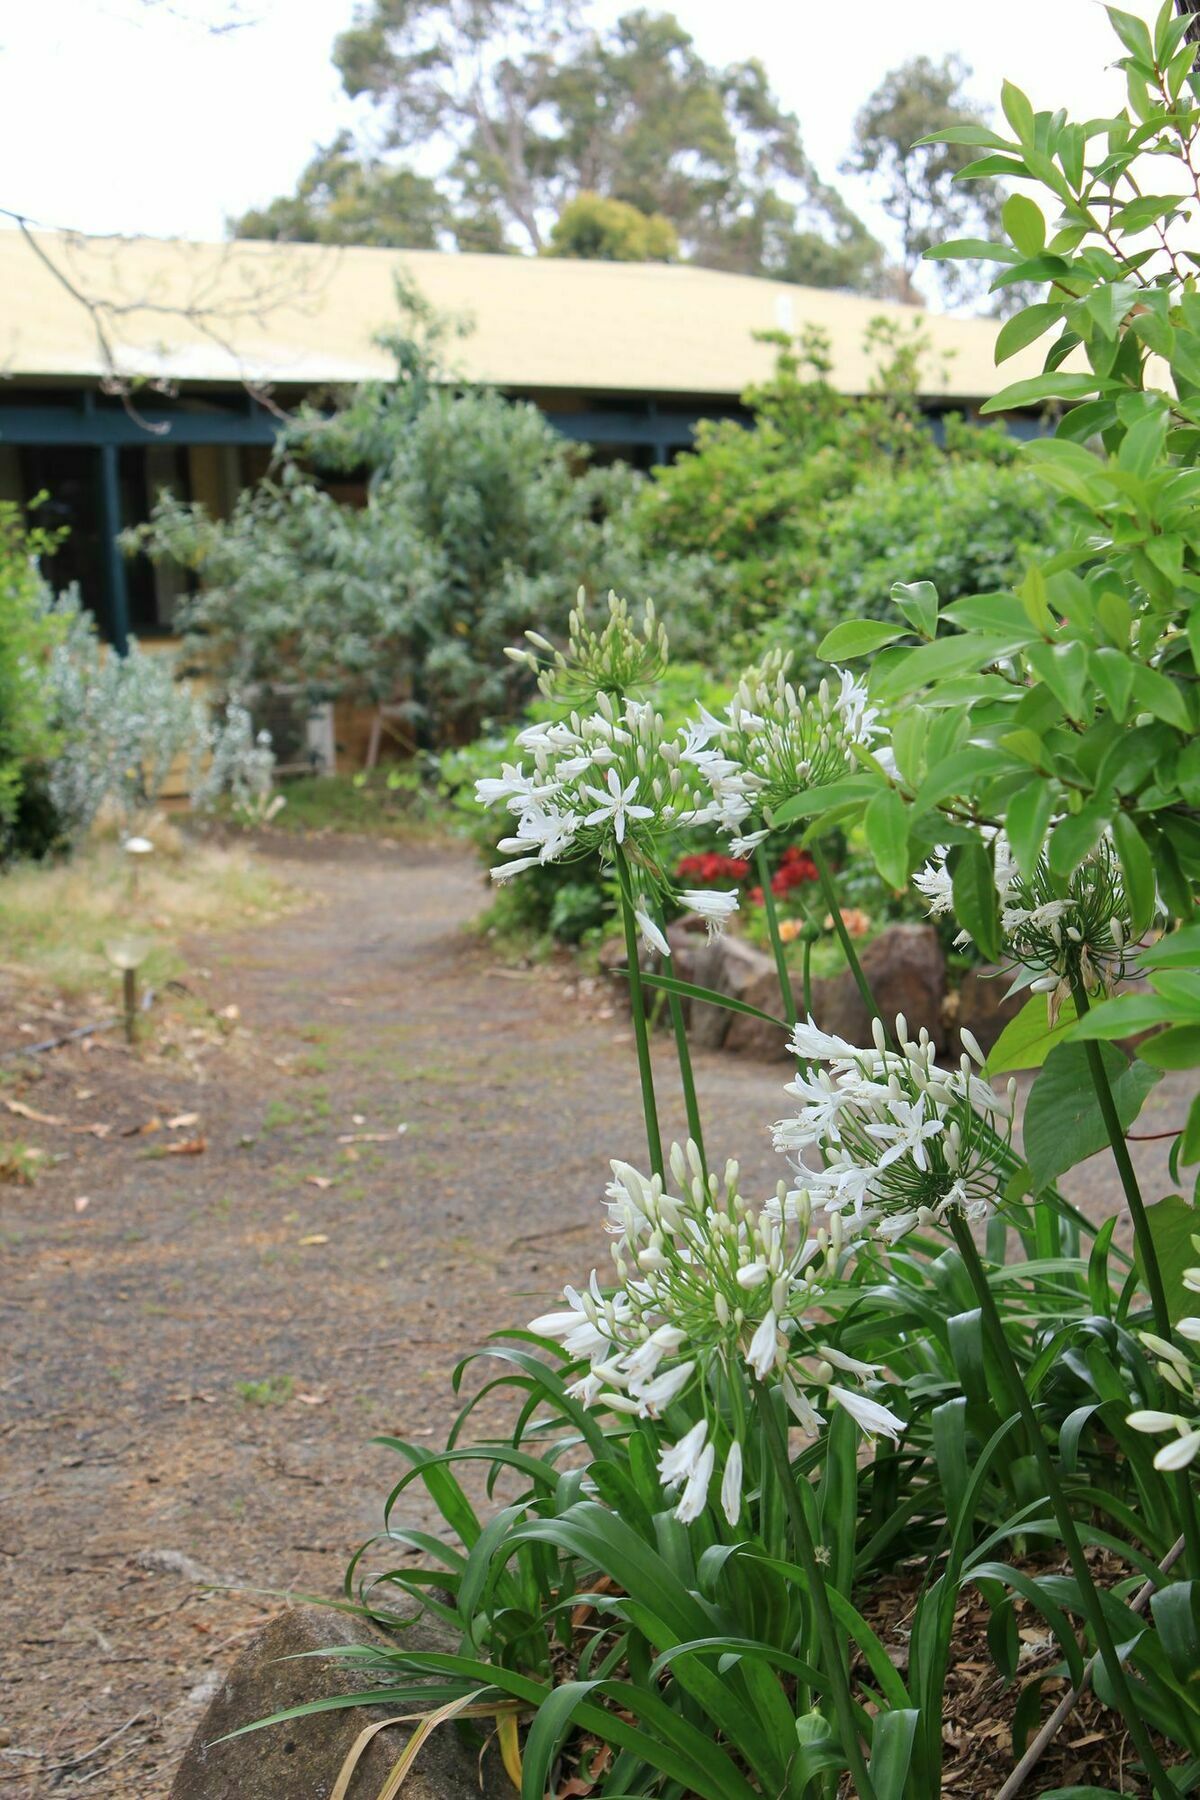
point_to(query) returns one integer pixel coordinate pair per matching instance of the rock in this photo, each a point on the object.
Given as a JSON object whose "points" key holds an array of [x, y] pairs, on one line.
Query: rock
{"points": [[839, 1008], [301, 1759], [708, 968], [907, 974], [980, 1005], [753, 978]]}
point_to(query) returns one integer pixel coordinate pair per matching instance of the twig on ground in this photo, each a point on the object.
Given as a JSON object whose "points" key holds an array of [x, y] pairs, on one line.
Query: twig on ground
{"points": [[1070, 1700], [74, 1762]]}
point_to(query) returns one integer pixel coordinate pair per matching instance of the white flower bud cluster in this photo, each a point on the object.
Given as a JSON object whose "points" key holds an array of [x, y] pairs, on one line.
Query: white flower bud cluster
{"points": [[613, 661], [711, 1291], [902, 1143], [1180, 1371], [774, 741], [1056, 931]]}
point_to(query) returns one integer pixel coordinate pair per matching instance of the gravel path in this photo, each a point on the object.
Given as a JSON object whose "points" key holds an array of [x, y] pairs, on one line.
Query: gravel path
{"points": [[405, 1148]]}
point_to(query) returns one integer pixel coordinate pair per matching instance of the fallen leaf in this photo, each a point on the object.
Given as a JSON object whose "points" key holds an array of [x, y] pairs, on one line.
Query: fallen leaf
{"points": [[182, 1119], [82, 1203], [28, 1112], [230, 1012], [186, 1147], [320, 1181], [314, 1237], [358, 1118], [312, 1399]]}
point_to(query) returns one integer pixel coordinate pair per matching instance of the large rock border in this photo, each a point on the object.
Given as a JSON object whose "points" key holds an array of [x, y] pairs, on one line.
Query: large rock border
{"points": [[302, 1759], [904, 965]]}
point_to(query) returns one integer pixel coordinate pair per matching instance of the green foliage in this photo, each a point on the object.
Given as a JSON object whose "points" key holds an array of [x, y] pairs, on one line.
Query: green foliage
{"points": [[802, 517], [598, 229], [342, 198], [477, 519], [538, 112], [966, 524], [28, 634]]}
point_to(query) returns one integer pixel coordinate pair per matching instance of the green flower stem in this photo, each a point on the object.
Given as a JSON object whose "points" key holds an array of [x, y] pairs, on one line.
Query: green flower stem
{"points": [[839, 925], [637, 997], [806, 1551], [806, 975], [781, 963], [1147, 1253], [1093, 1610], [684, 1054], [1125, 1169]]}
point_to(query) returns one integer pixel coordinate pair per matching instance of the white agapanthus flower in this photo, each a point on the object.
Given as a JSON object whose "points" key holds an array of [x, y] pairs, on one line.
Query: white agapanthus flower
{"points": [[900, 1142], [712, 1293], [1055, 931], [773, 741], [1180, 1371], [714, 905], [603, 782]]}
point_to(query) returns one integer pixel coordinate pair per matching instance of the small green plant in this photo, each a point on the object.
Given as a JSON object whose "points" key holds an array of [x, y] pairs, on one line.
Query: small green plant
{"points": [[272, 1390]]}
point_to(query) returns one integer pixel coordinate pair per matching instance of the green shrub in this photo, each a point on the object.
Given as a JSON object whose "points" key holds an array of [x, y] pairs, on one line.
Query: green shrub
{"points": [[480, 520], [799, 519], [28, 633], [966, 525]]}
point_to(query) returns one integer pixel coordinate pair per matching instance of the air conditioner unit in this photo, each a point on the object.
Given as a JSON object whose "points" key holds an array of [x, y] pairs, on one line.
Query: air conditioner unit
{"points": [[301, 732]]}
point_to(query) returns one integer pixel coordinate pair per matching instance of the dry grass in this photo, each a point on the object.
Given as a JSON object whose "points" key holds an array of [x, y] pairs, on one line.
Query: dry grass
{"points": [[61, 923]]}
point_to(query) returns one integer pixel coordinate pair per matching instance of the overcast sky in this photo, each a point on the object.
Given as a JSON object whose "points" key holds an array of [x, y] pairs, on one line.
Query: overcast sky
{"points": [[127, 116]]}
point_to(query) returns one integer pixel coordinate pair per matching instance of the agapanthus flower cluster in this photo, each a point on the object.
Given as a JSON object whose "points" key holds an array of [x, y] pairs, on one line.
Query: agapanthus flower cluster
{"points": [[602, 782], [1058, 931], [900, 1142], [615, 660], [711, 1293], [774, 741], [1181, 1372]]}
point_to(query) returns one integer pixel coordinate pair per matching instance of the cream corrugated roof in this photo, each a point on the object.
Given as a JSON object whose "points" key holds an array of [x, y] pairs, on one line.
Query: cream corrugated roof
{"points": [[308, 314]]}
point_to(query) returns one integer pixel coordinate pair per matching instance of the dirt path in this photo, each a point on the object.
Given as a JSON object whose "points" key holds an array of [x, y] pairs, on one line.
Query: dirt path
{"points": [[200, 1355], [192, 1386]]}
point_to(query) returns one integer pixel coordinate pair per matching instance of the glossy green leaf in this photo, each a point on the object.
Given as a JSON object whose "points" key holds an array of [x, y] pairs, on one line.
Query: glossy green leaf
{"points": [[1176, 950], [1025, 224], [1018, 111], [1122, 1017], [1063, 1121], [1176, 1611], [1057, 385], [976, 905], [856, 637], [1027, 1040], [1174, 1223], [1028, 816], [885, 823], [1137, 869], [964, 654], [1178, 1048], [893, 1738], [1026, 327], [917, 602]]}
